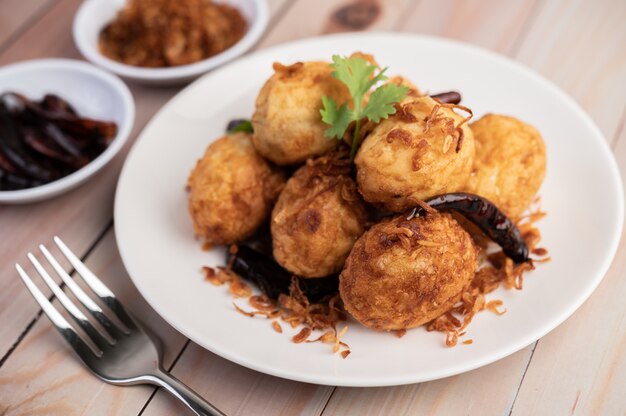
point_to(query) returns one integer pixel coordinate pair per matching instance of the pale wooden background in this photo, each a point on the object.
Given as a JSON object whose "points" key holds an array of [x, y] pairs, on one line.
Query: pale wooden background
{"points": [[579, 368]]}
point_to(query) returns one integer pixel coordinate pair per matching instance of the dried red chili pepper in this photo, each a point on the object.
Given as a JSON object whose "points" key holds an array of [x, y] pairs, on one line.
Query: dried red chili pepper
{"points": [[486, 215]]}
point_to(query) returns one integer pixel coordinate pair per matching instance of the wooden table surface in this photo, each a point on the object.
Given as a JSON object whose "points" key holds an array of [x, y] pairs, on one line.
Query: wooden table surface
{"points": [[579, 368]]}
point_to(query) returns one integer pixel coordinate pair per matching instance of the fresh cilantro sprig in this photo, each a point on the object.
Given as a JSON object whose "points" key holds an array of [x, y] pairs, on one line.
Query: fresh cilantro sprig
{"points": [[358, 75]]}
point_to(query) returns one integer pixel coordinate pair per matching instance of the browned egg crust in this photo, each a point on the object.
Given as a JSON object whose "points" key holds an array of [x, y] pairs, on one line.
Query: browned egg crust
{"points": [[287, 124], [402, 159], [318, 217], [404, 273], [510, 163], [231, 190]]}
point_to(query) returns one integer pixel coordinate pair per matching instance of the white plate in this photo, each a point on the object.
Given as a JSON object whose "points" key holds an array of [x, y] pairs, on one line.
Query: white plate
{"points": [[93, 15], [93, 92], [582, 194]]}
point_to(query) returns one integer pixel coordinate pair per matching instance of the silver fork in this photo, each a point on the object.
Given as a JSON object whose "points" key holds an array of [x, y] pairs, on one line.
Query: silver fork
{"points": [[128, 355]]}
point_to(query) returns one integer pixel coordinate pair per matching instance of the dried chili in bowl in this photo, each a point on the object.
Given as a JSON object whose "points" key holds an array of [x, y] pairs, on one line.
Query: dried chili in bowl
{"points": [[42, 141]]}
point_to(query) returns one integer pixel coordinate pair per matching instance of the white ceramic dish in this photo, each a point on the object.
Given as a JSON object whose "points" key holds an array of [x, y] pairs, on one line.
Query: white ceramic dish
{"points": [[93, 92], [582, 230], [93, 15]]}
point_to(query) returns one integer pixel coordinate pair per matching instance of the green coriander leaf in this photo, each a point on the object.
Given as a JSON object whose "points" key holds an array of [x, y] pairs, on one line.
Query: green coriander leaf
{"points": [[382, 100], [379, 77], [359, 77], [355, 72], [338, 118]]}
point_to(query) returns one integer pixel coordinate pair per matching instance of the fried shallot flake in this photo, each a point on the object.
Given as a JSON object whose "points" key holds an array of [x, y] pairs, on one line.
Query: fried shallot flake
{"points": [[400, 333], [451, 338], [497, 270], [327, 337], [302, 336], [338, 338], [493, 307], [210, 276], [277, 327], [293, 309], [163, 33], [246, 313], [446, 124], [239, 288], [288, 70], [262, 303]]}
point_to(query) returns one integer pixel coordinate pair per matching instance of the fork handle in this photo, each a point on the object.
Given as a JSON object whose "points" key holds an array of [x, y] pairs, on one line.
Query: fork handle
{"points": [[183, 393]]}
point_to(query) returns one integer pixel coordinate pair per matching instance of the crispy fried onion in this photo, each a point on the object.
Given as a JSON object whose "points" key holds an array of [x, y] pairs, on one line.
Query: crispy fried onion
{"points": [[295, 310], [497, 270], [222, 276], [446, 124], [287, 70]]}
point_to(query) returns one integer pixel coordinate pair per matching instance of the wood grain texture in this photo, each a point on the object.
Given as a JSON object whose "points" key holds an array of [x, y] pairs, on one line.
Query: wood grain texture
{"points": [[43, 377], [236, 390], [485, 391], [492, 24], [15, 15], [310, 18], [57, 42], [579, 45], [580, 367]]}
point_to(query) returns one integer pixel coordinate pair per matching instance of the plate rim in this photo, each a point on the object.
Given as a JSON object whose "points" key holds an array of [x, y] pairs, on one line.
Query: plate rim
{"points": [[351, 381]]}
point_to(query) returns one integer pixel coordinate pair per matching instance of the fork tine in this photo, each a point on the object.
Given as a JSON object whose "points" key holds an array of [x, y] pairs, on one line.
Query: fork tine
{"points": [[76, 313], [105, 294], [60, 323], [80, 294]]}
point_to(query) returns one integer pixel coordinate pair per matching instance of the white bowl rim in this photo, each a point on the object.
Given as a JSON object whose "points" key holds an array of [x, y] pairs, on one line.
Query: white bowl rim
{"points": [[123, 132], [92, 53]]}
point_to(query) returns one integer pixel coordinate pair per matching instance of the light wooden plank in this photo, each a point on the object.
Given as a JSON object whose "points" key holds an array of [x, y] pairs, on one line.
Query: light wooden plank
{"points": [[312, 18], [51, 36], [16, 15], [486, 391], [580, 368], [492, 24], [236, 390], [80, 215], [43, 377], [579, 45], [277, 8]]}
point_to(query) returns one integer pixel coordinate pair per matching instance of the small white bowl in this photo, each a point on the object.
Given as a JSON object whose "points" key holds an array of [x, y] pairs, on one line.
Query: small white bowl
{"points": [[93, 15], [93, 92]]}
